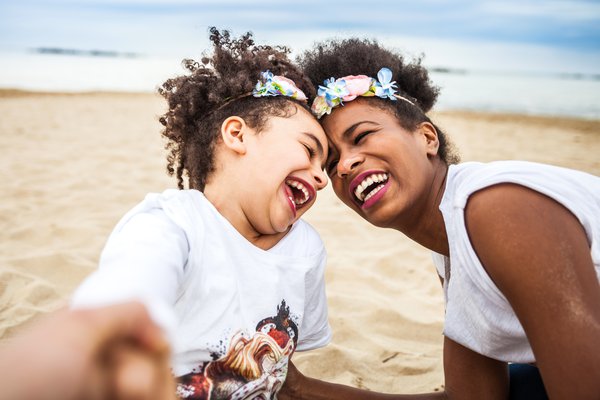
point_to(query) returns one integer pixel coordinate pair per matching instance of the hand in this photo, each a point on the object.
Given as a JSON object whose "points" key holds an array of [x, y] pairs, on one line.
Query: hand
{"points": [[114, 352], [294, 381]]}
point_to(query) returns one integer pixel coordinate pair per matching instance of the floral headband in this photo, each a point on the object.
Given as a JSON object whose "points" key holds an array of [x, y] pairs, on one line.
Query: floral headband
{"points": [[276, 85], [348, 88]]}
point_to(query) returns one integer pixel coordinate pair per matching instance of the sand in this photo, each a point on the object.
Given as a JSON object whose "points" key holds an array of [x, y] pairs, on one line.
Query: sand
{"points": [[73, 164]]}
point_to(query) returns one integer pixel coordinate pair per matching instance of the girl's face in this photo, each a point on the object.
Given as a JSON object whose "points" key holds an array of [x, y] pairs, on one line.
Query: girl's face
{"points": [[285, 170], [376, 167]]}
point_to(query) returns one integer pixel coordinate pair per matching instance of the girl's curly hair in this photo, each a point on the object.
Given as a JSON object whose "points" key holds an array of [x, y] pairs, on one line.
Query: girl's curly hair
{"points": [[338, 58], [215, 88]]}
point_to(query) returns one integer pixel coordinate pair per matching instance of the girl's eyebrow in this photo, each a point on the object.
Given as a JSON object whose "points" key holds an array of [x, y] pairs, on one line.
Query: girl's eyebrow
{"points": [[317, 143]]}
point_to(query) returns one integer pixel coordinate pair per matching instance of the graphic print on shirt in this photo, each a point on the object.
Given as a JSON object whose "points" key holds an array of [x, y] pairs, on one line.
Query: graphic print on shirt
{"points": [[254, 366]]}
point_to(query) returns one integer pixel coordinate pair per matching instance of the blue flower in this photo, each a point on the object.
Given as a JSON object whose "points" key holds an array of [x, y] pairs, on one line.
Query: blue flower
{"points": [[385, 87], [275, 85], [333, 91], [264, 87]]}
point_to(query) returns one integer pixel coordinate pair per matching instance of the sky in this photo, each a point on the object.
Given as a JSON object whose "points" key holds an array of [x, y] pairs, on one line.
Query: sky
{"points": [[512, 35]]}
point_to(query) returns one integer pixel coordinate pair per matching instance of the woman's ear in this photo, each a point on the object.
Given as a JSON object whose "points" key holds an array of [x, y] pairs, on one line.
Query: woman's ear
{"points": [[429, 133], [233, 131]]}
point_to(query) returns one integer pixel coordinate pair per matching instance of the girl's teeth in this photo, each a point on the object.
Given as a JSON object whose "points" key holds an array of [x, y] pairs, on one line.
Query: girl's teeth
{"points": [[300, 187]]}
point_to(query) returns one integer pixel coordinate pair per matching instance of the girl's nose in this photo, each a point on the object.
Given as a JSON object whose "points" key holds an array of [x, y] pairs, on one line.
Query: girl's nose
{"points": [[320, 178]]}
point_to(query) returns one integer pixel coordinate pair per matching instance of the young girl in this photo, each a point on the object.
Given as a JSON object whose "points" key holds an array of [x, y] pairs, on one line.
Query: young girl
{"points": [[516, 244], [227, 267]]}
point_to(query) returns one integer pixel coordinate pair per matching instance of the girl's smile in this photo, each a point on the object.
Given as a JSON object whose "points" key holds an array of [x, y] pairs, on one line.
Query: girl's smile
{"points": [[275, 175], [299, 193]]}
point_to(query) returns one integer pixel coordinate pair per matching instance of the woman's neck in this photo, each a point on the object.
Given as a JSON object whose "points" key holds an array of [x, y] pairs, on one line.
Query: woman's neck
{"points": [[429, 230]]}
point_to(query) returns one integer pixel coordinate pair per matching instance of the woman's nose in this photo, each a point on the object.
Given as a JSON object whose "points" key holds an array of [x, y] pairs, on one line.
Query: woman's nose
{"points": [[347, 164]]}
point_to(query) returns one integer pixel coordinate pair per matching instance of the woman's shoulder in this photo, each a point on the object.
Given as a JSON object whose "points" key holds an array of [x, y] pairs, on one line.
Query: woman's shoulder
{"points": [[506, 169], [467, 178]]}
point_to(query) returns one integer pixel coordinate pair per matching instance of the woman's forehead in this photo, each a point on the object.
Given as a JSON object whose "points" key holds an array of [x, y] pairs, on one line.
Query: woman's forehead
{"points": [[351, 113]]}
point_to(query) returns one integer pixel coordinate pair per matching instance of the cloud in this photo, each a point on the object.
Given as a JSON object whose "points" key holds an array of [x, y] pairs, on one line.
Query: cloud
{"points": [[476, 31], [573, 10]]}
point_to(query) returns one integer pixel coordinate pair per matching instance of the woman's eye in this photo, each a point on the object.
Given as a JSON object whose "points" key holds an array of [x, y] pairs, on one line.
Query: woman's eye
{"points": [[360, 136], [331, 166]]}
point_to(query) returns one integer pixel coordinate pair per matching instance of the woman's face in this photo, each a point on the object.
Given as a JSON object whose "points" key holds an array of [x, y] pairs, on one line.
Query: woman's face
{"points": [[376, 167]]}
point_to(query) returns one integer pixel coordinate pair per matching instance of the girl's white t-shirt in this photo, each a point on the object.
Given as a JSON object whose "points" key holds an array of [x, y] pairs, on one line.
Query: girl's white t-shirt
{"points": [[217, 296], [478, 315]]}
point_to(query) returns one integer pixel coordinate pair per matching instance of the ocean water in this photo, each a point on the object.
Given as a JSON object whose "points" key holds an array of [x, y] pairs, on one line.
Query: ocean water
{"points": [[523, 93]]}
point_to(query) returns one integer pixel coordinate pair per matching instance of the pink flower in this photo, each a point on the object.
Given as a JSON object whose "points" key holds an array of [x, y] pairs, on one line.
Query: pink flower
{"points": [[356, 85], [290, 87]]}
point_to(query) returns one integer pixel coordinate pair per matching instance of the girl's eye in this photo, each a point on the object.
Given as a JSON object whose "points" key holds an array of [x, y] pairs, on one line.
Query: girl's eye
{"points": [[311, 152], [360, 136]]}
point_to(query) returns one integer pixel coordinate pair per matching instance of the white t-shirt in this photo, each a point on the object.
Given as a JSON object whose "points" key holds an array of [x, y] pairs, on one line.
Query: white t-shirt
{"points": [[478, 315], [217, 296]]}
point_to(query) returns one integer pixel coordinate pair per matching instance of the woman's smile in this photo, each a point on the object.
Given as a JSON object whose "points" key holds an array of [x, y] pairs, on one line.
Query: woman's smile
{"points": [[368, 188]]}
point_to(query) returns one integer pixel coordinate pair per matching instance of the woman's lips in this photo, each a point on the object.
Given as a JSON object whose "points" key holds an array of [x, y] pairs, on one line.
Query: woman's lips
{"points": [[368, 187], [374, 196]]}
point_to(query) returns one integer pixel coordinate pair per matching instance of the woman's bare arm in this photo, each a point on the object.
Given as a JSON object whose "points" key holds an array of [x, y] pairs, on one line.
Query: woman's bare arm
{"points": [[537, 253], [468, 376], [300, 387]]}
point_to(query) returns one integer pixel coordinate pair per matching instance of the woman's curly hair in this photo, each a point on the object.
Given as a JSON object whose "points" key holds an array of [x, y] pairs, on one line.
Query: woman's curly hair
{"points": [[338, 58], [215, 88]]}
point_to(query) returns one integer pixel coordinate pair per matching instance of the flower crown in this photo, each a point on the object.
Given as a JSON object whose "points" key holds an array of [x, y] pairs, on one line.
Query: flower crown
{"points": [[276, 85], [348, 88]]}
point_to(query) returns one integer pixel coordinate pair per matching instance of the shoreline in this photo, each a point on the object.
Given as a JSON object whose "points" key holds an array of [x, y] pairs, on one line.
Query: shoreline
{"points": [[583, 122]]}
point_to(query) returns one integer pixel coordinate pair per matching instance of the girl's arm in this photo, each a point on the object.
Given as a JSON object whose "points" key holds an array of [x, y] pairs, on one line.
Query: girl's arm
{"points": [[143, 260], [537, 253]]}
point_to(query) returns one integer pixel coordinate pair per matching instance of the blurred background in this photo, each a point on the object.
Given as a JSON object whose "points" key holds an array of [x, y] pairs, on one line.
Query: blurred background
{"points": [[539, 57]]}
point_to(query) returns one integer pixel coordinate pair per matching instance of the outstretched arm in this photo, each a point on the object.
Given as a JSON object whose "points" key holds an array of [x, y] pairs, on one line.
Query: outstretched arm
{"points": [[113, 352], [537, 253]]}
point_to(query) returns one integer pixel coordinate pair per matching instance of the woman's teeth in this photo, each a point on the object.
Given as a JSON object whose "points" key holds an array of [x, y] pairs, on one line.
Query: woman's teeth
{"points": [[368, 182], [300, 192]]}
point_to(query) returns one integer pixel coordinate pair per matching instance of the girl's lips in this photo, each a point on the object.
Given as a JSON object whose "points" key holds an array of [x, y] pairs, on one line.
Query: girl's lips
{"points": [[299, 193], [289, 197]]}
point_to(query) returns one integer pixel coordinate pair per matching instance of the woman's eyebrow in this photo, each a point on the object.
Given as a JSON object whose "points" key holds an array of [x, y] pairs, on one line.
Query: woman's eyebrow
{"points": [[353, 127]]}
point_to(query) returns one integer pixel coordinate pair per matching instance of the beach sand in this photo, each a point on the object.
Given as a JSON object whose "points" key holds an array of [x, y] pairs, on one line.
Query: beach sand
{"points": [[73, 164]]}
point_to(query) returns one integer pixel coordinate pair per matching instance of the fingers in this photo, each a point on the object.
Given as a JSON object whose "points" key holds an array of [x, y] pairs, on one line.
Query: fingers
{"points": [[138, 375], [127, 321]]}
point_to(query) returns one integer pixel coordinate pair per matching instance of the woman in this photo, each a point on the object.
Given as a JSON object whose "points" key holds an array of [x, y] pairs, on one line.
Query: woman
{"points": [[516, 244]]}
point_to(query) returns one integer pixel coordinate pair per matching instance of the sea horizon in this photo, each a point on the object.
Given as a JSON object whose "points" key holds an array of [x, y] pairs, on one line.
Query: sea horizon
{"points": [[542, 93]]}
